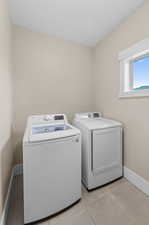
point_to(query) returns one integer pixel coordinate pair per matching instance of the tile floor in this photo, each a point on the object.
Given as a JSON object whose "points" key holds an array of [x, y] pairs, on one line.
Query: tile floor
{"points": [[119, 203]]}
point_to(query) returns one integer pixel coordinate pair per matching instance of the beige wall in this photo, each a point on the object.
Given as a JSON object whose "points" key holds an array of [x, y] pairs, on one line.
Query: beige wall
{"points": [[6, 153], [51, 76], [133, 112]]}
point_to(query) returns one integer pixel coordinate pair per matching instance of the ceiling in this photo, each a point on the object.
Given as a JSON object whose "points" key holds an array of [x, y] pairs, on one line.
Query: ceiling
{"points": [[84, 21]]}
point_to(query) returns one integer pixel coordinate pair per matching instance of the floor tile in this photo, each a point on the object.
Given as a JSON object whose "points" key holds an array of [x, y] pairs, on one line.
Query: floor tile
{"points": [[108, 211], [132, 199], [92, 196], [81, 218], [43, 223], [72, 211]]}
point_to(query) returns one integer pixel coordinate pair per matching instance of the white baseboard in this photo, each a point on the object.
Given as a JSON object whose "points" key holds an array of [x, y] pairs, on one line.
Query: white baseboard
{"points": [[137, 180], [7, 201], [17, 170]]}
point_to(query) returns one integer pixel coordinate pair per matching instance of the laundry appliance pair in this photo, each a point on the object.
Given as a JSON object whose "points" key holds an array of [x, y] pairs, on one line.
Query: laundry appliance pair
{"points": [[52, 150]]}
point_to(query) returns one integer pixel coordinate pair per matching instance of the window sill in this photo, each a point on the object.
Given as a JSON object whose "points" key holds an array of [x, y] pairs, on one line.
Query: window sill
{"points": [[134, 94]]}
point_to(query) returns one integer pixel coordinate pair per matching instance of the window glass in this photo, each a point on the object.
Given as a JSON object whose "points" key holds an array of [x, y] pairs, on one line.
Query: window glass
{"points": [[140, 68]]}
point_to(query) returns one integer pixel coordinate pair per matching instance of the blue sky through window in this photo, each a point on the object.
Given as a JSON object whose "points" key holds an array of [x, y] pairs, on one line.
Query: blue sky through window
{"points": [[141, 73]]}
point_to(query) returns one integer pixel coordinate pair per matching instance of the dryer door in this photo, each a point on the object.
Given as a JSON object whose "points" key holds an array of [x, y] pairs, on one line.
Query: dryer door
{"points": [[106, 149]]}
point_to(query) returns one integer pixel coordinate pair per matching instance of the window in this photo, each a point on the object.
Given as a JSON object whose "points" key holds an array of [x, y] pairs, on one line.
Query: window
{"points": [[134, 70], [140, 68]]}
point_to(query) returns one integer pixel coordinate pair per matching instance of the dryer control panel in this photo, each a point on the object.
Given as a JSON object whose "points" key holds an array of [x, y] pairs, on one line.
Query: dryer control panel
{"points": [[94, 115], [87, 115]]}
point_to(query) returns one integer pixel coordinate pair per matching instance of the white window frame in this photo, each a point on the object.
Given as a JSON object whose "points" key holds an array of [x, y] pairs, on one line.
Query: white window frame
{"points": [[137, 51]]}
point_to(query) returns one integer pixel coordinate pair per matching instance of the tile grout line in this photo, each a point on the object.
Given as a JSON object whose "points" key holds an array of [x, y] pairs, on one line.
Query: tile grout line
{"points": [[92, 219]]}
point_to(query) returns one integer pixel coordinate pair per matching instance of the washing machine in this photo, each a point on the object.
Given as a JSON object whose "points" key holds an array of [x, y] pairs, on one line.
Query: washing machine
{"points": [[51, 166], [101, 149]]}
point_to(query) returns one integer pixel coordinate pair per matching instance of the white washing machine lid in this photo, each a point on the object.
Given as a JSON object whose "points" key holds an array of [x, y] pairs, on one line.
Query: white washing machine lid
{"points": [[51, 131], [99, 123]]}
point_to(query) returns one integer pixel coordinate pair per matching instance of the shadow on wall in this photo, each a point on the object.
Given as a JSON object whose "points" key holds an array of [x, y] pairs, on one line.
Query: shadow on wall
{"points": [[18, 151], [6, 164]]}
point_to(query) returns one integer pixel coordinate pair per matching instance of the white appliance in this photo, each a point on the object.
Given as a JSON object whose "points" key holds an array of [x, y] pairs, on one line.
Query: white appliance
{"points": [[101, 149], [52, 166]]}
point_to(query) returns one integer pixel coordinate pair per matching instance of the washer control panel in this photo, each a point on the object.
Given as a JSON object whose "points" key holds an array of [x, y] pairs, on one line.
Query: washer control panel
{"points": [[48, 119]]}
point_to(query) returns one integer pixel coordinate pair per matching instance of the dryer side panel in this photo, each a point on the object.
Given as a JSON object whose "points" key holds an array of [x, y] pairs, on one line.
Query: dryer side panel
{"points": [[86, 152]]}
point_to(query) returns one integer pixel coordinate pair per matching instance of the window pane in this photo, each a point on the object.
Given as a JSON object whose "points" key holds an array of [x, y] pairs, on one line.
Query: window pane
{"points": [[141, 73]]}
